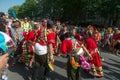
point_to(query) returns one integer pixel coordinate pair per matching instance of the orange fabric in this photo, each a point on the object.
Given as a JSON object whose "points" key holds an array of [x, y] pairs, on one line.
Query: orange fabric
{"points": [[72, 61], [98, 36]]}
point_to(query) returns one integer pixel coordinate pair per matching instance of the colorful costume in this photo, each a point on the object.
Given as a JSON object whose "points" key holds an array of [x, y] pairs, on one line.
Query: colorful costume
{"points": [[93, 49], [27, 27], [116, 42], [17, 36], [44, 37], [70, 46], [58, 44], [27, 47]]}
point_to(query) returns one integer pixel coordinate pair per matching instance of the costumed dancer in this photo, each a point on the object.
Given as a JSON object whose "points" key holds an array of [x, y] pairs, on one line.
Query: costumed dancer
{"points": [[73, 31], [108, 37], [57, 41], [84, 57], [28, 48], [75, 51], [97, 38], [73, 64], [26, 26], [17, 36], [116, 43], [45, 40], [94, 52], [22, 23], [63, 31]]}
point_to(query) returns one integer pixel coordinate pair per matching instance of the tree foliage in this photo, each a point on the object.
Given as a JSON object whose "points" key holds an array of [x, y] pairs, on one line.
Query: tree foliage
{"points": [[28, 9], [73, 11], [16, 9]]}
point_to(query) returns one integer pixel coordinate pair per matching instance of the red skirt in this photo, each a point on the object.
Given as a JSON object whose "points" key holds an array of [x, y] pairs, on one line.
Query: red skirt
{"points": [[96, 60]]}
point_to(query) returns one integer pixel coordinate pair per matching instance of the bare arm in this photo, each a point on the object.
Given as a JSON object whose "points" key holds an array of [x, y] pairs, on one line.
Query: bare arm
{"points": [[3, 61], [86, 50], [51, 51]]}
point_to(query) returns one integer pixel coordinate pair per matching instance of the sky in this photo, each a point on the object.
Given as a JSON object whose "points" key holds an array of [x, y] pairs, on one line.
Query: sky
{"points": [[6, 4]]}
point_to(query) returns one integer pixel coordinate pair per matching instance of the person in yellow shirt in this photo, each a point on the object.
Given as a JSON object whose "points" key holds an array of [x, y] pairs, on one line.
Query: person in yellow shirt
{"points": [[22, 23], [26, 26]]}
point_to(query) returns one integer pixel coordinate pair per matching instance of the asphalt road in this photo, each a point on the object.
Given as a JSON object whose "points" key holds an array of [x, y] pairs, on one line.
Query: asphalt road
{"points": [[111, 68]]}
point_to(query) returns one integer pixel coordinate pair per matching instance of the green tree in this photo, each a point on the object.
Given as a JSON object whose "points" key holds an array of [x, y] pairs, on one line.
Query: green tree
{"points": [[110, 10], [16, 9], [73, 11], [28, 9]]}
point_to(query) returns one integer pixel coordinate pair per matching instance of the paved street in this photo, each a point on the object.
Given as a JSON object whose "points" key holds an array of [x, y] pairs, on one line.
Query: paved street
{"points": [[111, 67]]}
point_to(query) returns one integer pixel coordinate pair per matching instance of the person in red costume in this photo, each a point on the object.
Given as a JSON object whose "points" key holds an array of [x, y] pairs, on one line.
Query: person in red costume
{"points": [[28, 48], [44, 50], [69, 47], [94, 52], [116, 43]]}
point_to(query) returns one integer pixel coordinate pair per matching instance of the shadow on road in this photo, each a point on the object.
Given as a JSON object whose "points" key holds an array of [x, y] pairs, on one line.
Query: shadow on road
{"points": [[112, 71], [84, 74], [110, 68], [20, 69], [56, 76], [60, 64], [23, 71]]}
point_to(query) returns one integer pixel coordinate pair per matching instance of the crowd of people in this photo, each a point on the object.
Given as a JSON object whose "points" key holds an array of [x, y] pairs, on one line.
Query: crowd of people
{"points": [[36, 42]]}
